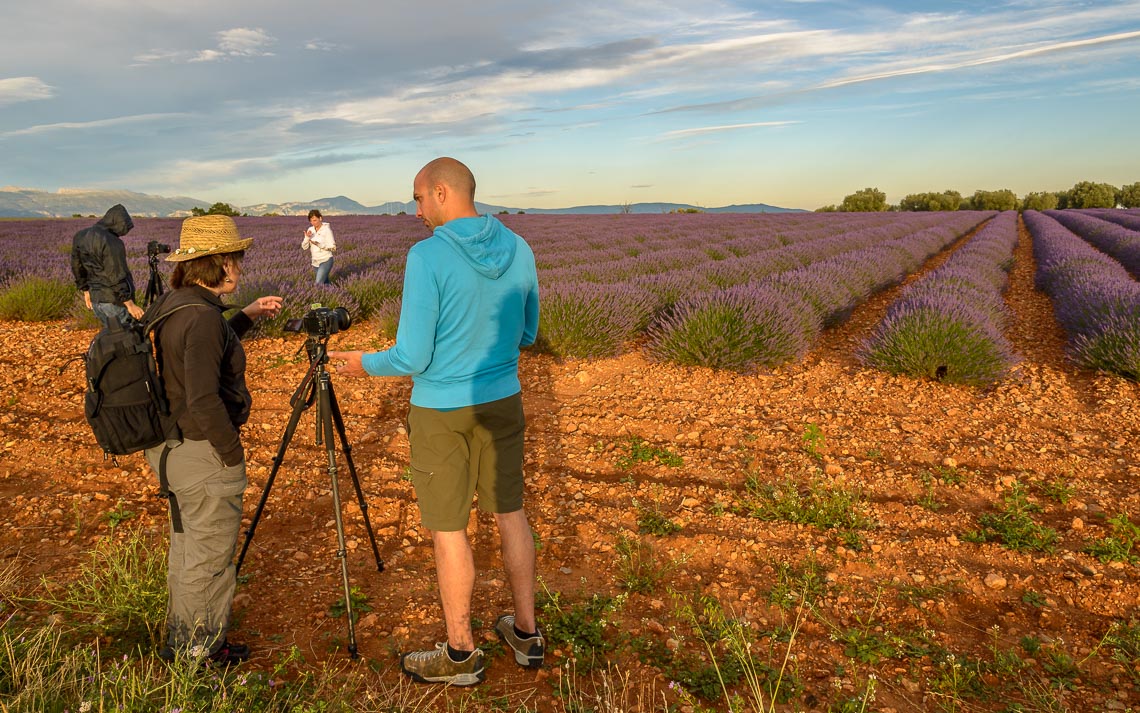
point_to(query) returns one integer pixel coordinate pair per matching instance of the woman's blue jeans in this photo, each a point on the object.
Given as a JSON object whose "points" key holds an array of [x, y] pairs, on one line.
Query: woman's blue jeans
{"points": [[323, 271]]}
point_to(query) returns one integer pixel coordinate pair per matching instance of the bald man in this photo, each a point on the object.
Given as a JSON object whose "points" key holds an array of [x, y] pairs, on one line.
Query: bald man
{"points": [[470, 302]]}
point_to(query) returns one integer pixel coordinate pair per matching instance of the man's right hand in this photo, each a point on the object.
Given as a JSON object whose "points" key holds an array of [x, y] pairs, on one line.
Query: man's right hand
{"points": [[352, 366], [87, 298], [133, 309]]}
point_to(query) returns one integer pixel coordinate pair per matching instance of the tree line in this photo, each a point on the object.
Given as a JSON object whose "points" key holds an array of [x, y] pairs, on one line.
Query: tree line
{"points": [[1085, 194]]}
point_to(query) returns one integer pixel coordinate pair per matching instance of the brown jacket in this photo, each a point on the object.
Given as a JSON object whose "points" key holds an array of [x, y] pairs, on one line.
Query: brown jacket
{"points": [[202, 363]]}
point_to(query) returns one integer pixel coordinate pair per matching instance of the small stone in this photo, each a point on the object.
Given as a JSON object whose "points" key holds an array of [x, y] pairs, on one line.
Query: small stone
{"points": [[949, 462], [1078, 524], [832, 469], [994, 580]]}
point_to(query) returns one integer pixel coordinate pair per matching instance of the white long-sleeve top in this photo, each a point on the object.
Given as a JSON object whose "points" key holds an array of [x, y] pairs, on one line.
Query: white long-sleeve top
{"points": [[320, 243]]}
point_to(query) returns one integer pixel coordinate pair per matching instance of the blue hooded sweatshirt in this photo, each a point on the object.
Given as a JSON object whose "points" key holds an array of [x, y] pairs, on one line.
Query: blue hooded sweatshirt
{"points": [[470, 302]]}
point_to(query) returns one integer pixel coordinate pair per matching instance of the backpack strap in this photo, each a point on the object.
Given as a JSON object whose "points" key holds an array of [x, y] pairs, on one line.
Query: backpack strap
{"points": [[151, 326], [164, 491]]}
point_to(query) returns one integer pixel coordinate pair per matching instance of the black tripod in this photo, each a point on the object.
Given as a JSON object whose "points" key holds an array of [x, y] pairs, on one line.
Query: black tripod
{"points": [[317, 385], [154, 284]]}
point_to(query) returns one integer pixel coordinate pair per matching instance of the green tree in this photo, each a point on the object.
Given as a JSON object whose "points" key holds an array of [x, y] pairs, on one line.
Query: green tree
{"points": [[868, 200], [1130, 195], [1003, 199], [947, 200], [1042, 200], [217, 209], [1087, 194]]}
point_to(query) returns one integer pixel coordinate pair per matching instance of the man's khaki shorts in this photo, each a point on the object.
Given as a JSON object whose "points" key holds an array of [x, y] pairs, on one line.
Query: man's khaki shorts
{"points": [[469, 450]]}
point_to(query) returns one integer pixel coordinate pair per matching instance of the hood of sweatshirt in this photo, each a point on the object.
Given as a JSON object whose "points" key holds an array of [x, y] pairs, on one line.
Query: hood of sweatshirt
{"points": [[117, 220], [483, 241]]}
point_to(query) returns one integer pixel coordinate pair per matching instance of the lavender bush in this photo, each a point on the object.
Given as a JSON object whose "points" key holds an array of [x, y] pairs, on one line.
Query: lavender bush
{"points": [[948, 325], [588, 320], [1094, 298], [739, 329], [36, 299]]}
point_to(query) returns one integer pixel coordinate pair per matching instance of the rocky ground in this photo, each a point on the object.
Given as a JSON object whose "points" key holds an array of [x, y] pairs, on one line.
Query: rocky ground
{"points": [[925, 460]]}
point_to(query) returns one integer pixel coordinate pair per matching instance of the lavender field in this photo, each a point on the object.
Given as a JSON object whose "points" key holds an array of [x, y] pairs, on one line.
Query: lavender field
{"points": [[730, 291]]}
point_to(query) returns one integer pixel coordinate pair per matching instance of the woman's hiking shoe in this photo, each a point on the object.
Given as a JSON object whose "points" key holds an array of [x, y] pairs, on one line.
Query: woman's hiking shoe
{"points": [[435, 666], [529, 651], [226, 655], [229, 654]]}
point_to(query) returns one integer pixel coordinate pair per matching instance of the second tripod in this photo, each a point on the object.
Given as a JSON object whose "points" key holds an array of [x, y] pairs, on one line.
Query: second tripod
{"points": [[317, 387], [154, 282]]}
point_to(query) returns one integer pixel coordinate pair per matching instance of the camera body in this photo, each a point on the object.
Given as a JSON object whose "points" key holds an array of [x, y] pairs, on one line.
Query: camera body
{"points": [[321, 321], [154, 248]]}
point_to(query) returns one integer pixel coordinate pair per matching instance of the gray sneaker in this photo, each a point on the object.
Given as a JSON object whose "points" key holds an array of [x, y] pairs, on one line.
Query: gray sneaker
{"points": [[435, 666], [528, 652]]}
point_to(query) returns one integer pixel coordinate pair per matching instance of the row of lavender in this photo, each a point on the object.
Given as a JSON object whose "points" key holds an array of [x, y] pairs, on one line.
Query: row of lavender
{"points": [[1094, 298], [948, 326], [1113, 238], [777, 318]]}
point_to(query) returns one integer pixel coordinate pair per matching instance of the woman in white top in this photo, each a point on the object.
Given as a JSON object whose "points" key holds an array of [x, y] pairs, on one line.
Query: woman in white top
{"points": [[319, 241]]}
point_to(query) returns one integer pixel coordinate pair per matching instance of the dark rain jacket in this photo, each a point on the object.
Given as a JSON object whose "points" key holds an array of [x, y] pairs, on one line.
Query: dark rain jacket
{"points": [[99, 258], [202, 363]]}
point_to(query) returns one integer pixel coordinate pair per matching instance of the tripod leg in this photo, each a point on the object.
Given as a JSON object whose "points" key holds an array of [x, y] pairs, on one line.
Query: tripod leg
{"points": [[299, 405], [326, 425], [338, 420]]}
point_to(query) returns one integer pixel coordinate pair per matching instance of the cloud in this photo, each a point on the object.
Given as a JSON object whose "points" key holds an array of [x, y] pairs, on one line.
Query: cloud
{"points": [[234, 43], [96, 124], [23, 89], [680, 133], [238, 42], [993, 56]]}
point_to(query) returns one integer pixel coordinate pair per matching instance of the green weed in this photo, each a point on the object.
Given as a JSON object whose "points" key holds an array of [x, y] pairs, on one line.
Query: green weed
{"points": [[813, 441], [1013, 525], [822, 505], [1124, 641], [118, 516], [651, 520], [359, 604], [580, 626], [799, 585], [1120, 546], [640, 568], [120, 588], [640, 451]]}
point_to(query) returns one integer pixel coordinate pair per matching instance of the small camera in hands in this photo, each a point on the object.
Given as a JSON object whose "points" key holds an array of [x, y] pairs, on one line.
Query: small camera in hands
{"points": [[155, 248], [320, 322]]}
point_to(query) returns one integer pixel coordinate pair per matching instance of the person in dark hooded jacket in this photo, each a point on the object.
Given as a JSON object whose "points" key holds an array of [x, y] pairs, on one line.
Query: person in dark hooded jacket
{"points": [[99, 263]]}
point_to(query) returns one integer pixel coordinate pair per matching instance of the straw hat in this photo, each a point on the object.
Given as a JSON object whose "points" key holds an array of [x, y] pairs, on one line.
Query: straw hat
{"points": [[208, 235]]}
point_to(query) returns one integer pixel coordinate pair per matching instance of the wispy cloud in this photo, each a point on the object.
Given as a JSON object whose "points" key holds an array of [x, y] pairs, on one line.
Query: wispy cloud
{"points": [[96, 124], [680, 133], [23, 89], [986, 58]]}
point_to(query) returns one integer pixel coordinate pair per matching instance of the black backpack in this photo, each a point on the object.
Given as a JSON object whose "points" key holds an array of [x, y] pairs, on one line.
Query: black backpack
{"points": [[125, 401]]}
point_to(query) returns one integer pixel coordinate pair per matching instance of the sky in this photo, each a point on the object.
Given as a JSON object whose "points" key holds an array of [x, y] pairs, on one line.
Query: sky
{"points": [[557, 104]]}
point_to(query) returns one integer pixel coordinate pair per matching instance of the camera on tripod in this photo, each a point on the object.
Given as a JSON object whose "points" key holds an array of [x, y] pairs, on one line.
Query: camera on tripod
{"points": [[155, 248], [320, 322]]}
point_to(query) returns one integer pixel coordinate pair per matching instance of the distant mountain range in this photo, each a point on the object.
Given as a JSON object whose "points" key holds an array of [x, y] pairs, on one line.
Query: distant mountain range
{"points": [[67, 202]]}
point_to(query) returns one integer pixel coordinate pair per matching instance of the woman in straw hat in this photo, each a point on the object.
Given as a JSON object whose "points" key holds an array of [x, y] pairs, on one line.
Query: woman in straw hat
{"points": [[202, 364]]}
